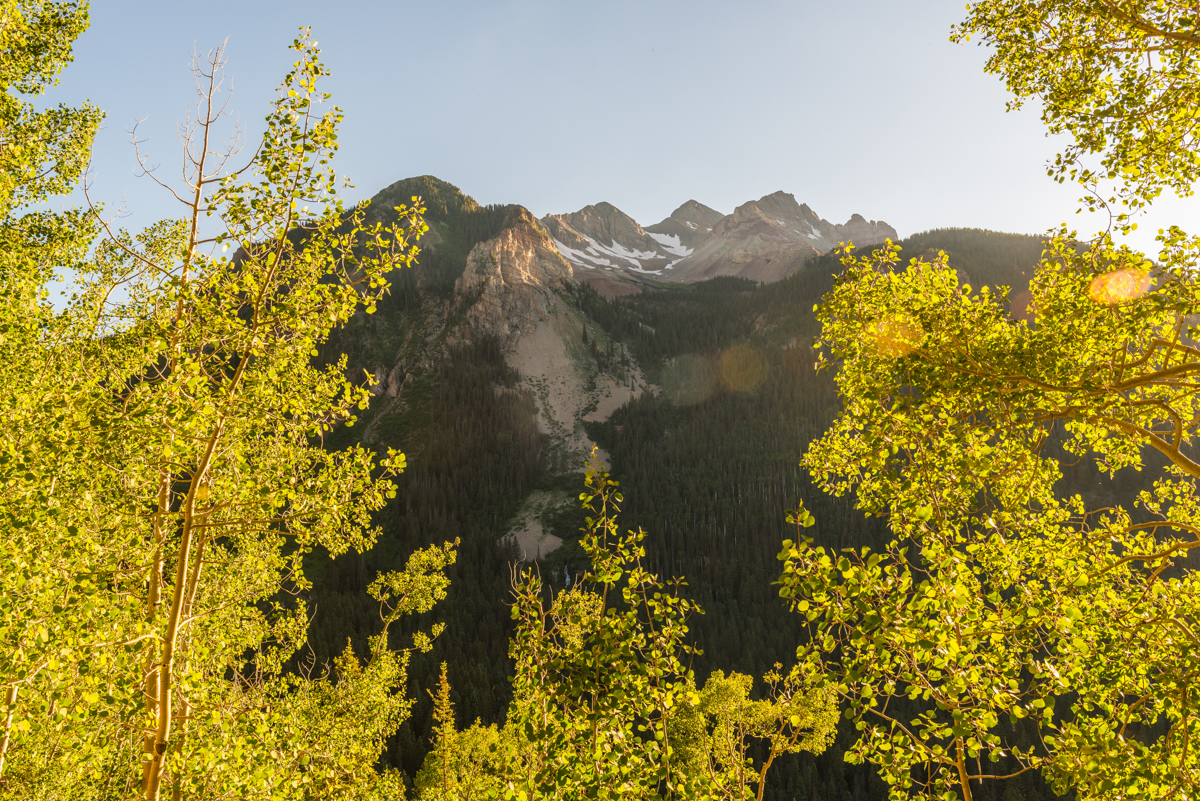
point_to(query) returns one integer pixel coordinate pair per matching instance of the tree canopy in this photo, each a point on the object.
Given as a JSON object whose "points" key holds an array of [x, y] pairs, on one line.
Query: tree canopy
{"points": [[1121, 77], [1011, 626], [161, 469]]}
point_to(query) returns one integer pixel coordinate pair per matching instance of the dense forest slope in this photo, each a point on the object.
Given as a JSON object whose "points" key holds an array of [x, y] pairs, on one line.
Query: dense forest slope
{"points": [[497, 370]]}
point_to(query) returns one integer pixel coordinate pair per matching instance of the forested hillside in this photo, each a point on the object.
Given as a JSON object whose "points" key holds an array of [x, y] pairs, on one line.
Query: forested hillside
{"points": [[708, 467]]}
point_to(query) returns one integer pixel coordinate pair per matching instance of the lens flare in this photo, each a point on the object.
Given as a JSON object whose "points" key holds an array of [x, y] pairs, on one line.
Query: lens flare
{"points": [[688, 379], [1128, 283], [895, 335], [742, 368]]}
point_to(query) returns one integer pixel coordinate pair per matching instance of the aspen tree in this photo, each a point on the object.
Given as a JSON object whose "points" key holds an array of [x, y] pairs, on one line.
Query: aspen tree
{"points": [[164, 482], [1009, 627]]}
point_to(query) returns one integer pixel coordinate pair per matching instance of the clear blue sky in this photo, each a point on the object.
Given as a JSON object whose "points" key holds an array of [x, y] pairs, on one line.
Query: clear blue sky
{"points": [[853, 106]]}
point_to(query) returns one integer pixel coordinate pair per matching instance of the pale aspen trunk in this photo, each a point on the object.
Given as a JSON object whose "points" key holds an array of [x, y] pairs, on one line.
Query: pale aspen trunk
{"points": [[157, 744], [185, 707], [185, 724], [153, 599], [167, 663], [10, 703], [962, 772], [185, 580], [187, 575]]}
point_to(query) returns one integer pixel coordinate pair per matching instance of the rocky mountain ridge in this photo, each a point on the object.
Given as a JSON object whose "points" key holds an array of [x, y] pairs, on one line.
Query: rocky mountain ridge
{"points": [[762, 240], [509, 283]]}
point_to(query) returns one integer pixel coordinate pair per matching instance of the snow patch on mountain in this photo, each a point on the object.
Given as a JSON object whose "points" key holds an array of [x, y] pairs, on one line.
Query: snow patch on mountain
{"points": [[578, 256], [672, 245], [631, 255]]}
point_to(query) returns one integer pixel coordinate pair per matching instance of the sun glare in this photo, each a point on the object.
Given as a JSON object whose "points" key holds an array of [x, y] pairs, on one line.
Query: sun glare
{"points": [[742, 368], [1119, 286]]}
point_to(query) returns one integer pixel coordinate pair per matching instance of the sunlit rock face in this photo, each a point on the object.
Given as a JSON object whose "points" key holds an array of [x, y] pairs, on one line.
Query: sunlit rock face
{"points": [[510, 282]]}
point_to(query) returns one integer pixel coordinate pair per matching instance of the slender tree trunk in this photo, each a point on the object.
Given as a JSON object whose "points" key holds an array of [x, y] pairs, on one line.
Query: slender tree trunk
{"points": [[962, 772], [10, 704], [166, 665], [187, 576], [157, 744], [762, 774], [153, 599], [185, 706], [186, 580], [186, 719]]}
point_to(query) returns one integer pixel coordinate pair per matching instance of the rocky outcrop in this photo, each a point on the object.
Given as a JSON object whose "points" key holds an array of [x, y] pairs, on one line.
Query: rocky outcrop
{"points": [[513, 287], [509, 283], [862, 232]]}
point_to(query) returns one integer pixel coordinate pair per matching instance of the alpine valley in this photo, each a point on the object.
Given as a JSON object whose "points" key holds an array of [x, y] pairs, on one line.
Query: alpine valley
{"points": [[682, 351]]}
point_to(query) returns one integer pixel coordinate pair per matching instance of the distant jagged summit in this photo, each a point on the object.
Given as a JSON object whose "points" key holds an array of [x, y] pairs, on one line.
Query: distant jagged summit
{"points": [[770, 238], [691, 224], [763, 240], [613, 251], [604, 236]]}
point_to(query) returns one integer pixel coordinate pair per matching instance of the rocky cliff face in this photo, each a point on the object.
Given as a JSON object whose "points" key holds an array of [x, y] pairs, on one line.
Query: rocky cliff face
{"points": [[517, 288], [510, 282]]}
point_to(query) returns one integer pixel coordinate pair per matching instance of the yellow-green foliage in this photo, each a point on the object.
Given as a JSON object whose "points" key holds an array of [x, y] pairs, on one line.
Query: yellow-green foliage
{"points": [[1007, 628], [1120, 77], [161, 475]]}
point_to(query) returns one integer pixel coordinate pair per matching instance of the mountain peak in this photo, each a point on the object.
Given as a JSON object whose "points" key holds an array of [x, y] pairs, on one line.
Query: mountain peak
{"points": [[441, 198], [700, 216], [779, 197], [605, 245], [603, 207], [687, 228], [764, 240]]}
